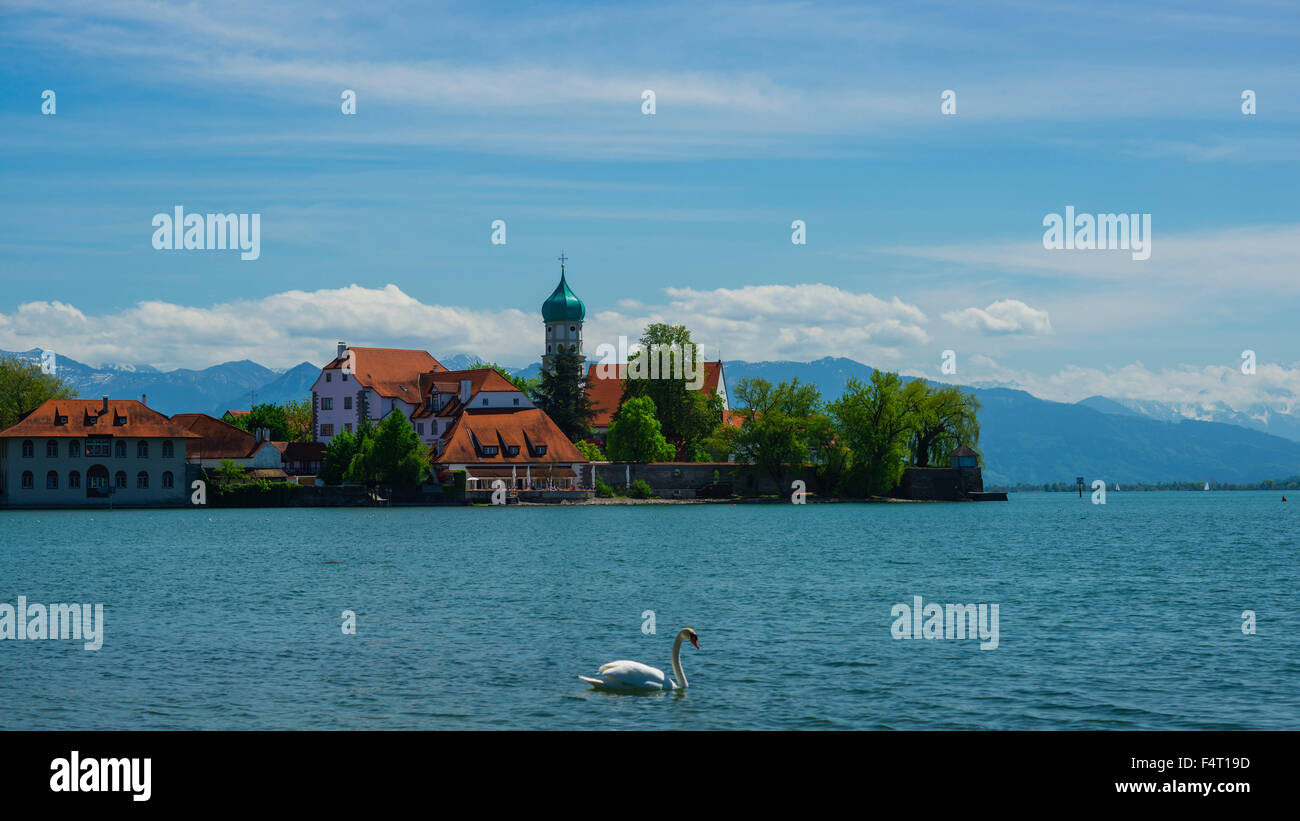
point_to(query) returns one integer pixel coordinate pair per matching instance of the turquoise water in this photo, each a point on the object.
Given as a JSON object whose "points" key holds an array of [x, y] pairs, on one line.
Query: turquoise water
{"points": [[1122, 616]]}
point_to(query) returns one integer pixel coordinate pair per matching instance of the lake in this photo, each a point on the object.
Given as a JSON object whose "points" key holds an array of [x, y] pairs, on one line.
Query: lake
{"points": [[1126, 615]]}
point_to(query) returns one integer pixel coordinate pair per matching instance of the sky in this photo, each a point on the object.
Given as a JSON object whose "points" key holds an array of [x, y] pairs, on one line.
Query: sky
{"points": [[924, 230]]}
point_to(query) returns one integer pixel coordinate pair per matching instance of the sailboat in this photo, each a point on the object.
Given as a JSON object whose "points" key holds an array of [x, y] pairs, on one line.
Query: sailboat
{"points": [[1207, 486]]}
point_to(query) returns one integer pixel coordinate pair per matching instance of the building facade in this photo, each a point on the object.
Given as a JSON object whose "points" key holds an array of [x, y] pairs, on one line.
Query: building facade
{"points": [[94, 453]]}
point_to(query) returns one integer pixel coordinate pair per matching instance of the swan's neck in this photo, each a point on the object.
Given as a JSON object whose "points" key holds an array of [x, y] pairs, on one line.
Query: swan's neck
{"points": [[678, 673]]}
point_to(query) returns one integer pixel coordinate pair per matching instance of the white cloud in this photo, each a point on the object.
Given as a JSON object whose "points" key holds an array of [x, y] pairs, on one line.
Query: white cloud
{"points": [[1006, 316], [283, 329]]}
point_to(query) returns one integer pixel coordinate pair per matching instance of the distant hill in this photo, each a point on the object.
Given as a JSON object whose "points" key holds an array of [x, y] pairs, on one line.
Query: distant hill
{"points": [[1024, 438]]}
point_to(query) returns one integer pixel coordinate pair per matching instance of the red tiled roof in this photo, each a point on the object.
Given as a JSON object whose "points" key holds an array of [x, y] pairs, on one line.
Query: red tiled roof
{"points": [[604, 394], [217, 439], [302, 451], [503, 428], [481, 379], [734, 418], [236, 413], [391, 372], [84, 418]]}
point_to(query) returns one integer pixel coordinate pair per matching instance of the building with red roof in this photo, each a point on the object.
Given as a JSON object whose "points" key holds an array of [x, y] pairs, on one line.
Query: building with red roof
{"points": [[605, 391], [93, 453]]}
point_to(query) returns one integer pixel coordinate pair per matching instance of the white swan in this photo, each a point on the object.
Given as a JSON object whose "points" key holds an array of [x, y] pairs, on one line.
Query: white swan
{"points": [[629, 676]]}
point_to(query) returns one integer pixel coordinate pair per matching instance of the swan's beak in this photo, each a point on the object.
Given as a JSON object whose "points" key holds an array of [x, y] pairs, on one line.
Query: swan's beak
{"points": [[696, 643]]}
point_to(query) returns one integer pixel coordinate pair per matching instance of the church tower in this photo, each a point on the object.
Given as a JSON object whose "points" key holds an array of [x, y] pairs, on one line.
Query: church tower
{"points": [[562, 314]]}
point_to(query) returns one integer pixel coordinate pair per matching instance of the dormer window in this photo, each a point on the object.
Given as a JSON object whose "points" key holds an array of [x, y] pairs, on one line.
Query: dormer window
{"points": [[60, 420], [489, 450], [512, 450], [119, 420], [541, 450]]}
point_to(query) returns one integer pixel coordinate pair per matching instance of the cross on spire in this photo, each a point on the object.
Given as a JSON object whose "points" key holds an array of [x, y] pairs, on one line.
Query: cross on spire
{"points": [[562, 259]]}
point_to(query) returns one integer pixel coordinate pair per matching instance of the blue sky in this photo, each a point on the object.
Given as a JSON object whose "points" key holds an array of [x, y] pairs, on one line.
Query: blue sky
{"points": [[924, 230]]}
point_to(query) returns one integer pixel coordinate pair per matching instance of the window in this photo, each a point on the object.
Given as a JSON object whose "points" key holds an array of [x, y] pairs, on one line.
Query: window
{"points": [[347, 427], [327, 404], [419, 428], [489, 450], [74, 448], [119, 449], [167, 480], [74, 479], [29, 450], [485, 400], [326, 430], [29, 481], [142, 449], [97, 447], [142, 481], [516, 400], [52, 449], [60, 420], [347, 403], [119, 420], [119, 479], [549, 329], [51, 481], [548, 348], [169, 450], [572, 329], [541, 450], [96, 480], [328, 376], [512, 450], [345, 376]]}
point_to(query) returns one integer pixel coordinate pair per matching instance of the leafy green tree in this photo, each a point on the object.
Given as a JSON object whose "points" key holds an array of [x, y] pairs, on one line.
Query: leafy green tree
{"points": [[562, 395], [590, 451], [297, 417], [635, 435], [945, 419], [231, 471], [338, 456], [392, 455], [267, 415], [784, 426], [23, 387], [687, 416], [874, 420]]}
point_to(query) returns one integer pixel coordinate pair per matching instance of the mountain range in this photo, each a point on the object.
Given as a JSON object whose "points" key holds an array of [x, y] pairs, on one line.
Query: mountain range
{"points": [[1023, 438]]}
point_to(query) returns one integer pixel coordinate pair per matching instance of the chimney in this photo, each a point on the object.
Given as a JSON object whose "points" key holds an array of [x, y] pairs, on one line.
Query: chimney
{"points": [[343, 346], [104, 407], [144, 399], [465, 385]]}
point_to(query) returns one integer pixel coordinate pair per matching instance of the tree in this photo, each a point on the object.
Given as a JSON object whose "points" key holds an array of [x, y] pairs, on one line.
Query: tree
{"points": [[783, 425], [297, 417], [231, 471], [874, 420], [562, 395], [338, 457], [268, 415], [392, 455], [590, 451], [945, 419], [525, 385], [23, 388], [635, 436], [688, 415]]}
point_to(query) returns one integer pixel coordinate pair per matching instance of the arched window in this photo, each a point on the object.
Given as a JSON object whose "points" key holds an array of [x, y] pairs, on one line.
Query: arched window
{"points": [[29, 481], [119, 449], [142, 481], [119, 479], [548, 348], [29, 450], [52, 448], [142, 449], [74, 448], [167, 480], [74, 479], [52, 481], [169, 450]]}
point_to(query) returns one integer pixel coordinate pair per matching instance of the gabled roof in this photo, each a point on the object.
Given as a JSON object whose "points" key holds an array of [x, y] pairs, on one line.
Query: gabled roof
{"points": [[391, 372], [962, 451], [217, 439], [448, 382], [502, 428], [87, 417]]}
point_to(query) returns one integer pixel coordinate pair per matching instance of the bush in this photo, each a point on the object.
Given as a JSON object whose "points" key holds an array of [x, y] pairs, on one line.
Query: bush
{"points": [[640, 489], [258, 493], [590, 451], [603, 490]]}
